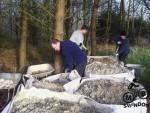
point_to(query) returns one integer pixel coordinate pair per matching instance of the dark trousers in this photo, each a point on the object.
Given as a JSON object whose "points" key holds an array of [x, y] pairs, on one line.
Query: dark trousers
{"points": [[81, 68], [123, 56]]}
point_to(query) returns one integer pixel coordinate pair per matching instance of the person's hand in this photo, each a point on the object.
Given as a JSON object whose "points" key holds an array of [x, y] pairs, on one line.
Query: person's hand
{"points": [[117, 54], [84, 48], [86, 51], [119, 42]]}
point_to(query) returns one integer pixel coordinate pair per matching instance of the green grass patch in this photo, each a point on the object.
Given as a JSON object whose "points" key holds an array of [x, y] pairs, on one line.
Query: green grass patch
{"points": [[141, 56], [105, 53]]}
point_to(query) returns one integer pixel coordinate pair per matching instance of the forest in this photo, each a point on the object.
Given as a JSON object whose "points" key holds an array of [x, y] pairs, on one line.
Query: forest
{"points": [[27, 28]]}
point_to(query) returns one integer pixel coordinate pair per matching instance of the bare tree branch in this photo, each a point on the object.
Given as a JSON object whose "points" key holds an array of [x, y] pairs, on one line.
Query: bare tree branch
{"points": [[147, 4]]}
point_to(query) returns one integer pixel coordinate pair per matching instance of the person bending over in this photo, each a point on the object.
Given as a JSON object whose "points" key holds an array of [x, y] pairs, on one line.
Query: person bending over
{"points": [[72, 55]]}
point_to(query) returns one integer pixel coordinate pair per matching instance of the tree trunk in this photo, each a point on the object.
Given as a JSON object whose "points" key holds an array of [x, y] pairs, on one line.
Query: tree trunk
{"points": [[50, 18], [68, 20], [122, 14], [128, 18], [84, 11], [147, 5], [77, 16], [59, 31], [108, 25], [141, 24], [33, 29], [1, 3], [133, 31], [23, 37], [93, 27]]}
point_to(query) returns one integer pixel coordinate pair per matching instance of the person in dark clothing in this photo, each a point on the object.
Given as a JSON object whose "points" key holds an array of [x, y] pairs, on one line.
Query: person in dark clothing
{"points": [[122, 47], [73, 56]]}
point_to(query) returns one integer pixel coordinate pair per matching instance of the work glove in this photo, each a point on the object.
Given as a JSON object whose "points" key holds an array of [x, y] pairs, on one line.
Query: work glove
{"points": [[119, 42], [82, 46], [117, 54]]}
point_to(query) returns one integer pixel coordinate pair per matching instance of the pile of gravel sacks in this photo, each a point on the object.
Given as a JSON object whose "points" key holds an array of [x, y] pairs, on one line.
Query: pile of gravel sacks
{"points": [[104, 91]]}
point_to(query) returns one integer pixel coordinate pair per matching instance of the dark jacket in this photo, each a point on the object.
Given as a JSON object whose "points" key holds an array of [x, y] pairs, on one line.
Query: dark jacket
{"points": [[123, 46], [72, 55]]}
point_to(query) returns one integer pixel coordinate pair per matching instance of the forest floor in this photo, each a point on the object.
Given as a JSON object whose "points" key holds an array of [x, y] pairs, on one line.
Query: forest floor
{"points": [[35, 55], [9, 59]]}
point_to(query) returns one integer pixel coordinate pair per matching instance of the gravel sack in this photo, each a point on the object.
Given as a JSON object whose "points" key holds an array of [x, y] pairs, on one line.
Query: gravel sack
{"points": [[61, 78], [105, 60], [45, 84], [7, 84], [104, 91], [50, 105], [104, 69], [39, 72]]}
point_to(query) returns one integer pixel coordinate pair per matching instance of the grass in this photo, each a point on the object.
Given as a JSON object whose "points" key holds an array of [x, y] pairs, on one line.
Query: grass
{"points": [[141, 56]]}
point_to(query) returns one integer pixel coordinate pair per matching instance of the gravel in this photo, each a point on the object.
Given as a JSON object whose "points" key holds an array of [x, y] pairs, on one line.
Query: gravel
{"points": [[47, 105], [39, 72], [104, 69], [104, 91], [45, 84], [105, 60], [7, 84]]}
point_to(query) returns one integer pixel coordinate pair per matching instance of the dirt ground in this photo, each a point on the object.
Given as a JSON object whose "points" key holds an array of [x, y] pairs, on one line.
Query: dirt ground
{"points": [[35, 55], [8, 59]]}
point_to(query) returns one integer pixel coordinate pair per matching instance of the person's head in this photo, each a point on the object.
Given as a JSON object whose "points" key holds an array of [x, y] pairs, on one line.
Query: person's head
{"points": [[123, 34], [55, 43], [84, 29]]}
